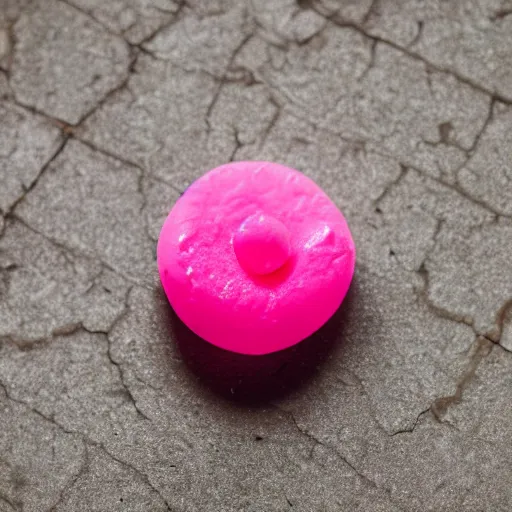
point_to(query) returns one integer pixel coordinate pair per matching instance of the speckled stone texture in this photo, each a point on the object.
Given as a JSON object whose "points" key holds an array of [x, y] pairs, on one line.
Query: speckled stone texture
{"points": [[401, 110]]}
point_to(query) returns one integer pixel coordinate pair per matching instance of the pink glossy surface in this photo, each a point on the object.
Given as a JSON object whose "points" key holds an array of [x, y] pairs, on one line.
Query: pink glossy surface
{"points": [[262, 244], [231, 305]]}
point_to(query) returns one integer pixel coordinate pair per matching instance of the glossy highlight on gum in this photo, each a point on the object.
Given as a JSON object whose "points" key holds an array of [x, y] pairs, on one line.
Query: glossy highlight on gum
{"points": [[255, 257]]}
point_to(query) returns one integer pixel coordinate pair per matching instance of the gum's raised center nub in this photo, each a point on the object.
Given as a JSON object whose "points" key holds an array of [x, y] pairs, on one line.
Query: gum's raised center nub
{"points": [[262, 244]]}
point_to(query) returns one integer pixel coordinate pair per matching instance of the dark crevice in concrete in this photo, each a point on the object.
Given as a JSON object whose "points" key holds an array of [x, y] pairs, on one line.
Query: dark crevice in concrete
{"points": [[238, 146], [493, 336], [143, 476], [414, 425], [64, 126], [504, 314], [110, 94], [371, 64], [418, 35], [445, 131], [481, 349], [6, 60], [222, 80], [423, 272], [238, 75], [116, 363], [108, 154], [273, 121], [306, 4], [12, 41], [488, 119], [123, 382], [145, 172], [121, 35], [337, 20], [460, 191], [391, 185], [27, 190], [145, 51], [90, 15], [35, 411], [370, 12], [178, 15], [26, 345], [438, 311], [500, 14], [335, 452], [83, 470], [78, 253], [86, 440]]}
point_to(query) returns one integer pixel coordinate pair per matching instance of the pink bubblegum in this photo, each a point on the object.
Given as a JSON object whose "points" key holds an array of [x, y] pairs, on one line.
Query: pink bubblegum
{"points": [[255, 257]]}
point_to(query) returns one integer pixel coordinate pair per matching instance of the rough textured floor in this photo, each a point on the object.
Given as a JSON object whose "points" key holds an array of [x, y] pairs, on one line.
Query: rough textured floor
{"points": [[401, 110]]}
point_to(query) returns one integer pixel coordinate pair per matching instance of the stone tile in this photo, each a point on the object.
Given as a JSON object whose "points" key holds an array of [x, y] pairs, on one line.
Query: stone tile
{"points": [[135, 20], [471, 38], [168, 122], [487, 176], [39, 460], [27, 143], [110, 485], [207, 38], [369, 92], [64, 63], [95, 209], [46, 288]]}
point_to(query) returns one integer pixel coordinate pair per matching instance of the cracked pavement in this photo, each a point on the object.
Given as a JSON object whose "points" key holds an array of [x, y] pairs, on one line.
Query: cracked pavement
{"points": [[401, 110]]}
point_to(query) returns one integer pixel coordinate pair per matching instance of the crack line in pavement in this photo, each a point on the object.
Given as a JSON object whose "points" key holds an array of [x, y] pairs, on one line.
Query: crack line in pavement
{"points": [[336, 453], [28, 189], [222, 80], [482, 348], [79, 253], [338, 21], [86, 440]]}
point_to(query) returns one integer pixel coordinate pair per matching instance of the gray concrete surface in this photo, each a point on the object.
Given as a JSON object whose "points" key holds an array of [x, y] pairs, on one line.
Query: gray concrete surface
{"points": [[401, 110]]}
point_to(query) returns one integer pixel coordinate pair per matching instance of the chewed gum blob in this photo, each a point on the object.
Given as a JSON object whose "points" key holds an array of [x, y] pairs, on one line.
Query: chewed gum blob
{"points": [[255, 257]]}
